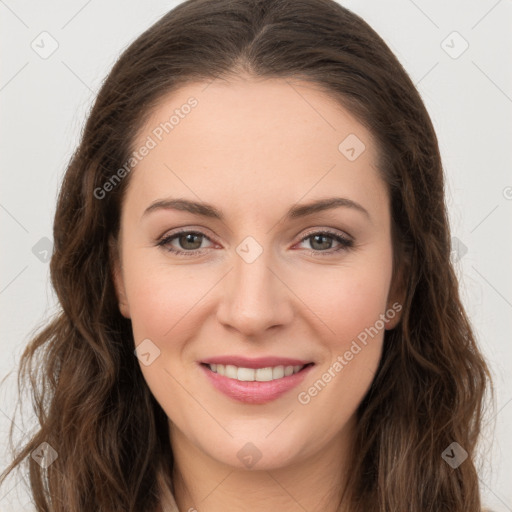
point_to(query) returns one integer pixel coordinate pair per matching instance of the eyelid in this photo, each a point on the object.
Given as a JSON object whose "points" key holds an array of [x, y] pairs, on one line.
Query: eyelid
{"points": [[345, 242], [165, 238], [309, 231], [186, 229], [344, 239], [330, 231]]}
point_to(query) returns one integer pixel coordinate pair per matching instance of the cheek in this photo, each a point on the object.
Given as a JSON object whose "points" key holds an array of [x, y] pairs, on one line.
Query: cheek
{"points": [[347, 301], [350, 307], [344, 300], [159, 297]]}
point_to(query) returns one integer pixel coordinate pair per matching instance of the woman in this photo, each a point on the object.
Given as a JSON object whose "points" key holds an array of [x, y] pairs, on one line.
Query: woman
{"points": [[309, 349]]}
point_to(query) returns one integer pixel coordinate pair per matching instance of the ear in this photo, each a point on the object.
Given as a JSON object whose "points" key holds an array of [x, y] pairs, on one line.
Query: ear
{"points": [[117, 277], [397, 295]]}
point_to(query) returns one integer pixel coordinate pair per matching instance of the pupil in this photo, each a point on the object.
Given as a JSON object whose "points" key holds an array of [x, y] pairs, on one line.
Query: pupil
{"points": [[320, 237], [189, 239]]}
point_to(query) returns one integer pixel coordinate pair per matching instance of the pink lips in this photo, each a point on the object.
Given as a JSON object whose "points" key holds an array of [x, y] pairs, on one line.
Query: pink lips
{"points": [[258, 362], [255, 392]]}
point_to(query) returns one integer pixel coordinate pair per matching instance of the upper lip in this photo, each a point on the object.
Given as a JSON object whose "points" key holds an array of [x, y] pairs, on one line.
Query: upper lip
{"points": [[257, 362]]}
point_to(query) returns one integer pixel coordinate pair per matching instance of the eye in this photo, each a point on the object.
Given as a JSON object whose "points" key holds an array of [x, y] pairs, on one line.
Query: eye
{"points": [[319, 241], [191, 241]]}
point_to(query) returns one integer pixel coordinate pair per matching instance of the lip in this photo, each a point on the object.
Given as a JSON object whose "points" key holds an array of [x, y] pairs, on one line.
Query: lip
{"points": [[255, 363], [255, 392]]}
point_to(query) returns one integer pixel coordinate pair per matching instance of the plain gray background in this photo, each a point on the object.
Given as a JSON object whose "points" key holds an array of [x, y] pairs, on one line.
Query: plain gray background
{"points": [[44, 101]]}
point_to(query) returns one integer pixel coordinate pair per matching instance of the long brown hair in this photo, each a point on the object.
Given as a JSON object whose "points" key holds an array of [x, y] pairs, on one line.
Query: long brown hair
{"points": [[92, 403]]}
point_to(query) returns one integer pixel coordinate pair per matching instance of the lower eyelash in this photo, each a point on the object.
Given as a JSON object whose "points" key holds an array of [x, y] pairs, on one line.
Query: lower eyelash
{"points": [[345, 243]]}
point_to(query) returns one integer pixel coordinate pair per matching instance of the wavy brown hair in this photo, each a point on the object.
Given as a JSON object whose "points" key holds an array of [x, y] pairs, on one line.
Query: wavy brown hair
{"points": [[92, 402]]}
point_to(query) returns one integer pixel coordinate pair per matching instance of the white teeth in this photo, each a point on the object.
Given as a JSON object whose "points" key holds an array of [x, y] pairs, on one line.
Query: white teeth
{"points": [[263, 374], [277, 372], [251, 374], [230, 371], [245, 374]]}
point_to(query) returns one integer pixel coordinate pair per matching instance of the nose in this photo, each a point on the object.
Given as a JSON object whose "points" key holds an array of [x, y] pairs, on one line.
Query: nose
{"points": [[254, 297]]}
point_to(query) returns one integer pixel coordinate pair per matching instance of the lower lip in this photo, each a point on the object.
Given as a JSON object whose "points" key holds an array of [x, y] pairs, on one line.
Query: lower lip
{"points": [[255, 392]]}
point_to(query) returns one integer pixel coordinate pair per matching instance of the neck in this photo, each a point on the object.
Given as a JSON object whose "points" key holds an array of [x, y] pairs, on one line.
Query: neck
{"points": [[314, 484]]}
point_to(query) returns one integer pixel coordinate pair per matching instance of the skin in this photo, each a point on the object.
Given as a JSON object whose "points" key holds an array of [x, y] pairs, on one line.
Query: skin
{"points": [[254, 148]]}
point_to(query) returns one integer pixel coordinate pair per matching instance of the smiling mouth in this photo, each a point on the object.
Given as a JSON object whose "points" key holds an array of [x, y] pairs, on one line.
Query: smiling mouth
{"points": [[267, 374]]}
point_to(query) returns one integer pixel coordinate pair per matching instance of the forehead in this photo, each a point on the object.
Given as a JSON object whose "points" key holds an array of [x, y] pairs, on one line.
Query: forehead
{"points": [[254, 139], [289, 110]]}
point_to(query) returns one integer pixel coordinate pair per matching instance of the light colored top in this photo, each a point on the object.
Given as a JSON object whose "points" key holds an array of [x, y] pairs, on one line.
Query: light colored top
{"points": [[169, 504], [167, 501]]}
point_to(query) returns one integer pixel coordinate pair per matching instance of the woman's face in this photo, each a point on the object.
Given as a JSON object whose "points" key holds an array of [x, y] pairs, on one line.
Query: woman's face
{"points": [[260, 276]]}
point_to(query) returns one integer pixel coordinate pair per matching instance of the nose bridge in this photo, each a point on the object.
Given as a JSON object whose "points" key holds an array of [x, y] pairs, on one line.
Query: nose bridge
{"points": [[254, 299]]}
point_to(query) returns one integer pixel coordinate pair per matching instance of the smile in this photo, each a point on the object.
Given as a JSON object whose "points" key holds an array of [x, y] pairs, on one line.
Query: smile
{"points": [[250, 374], [254, 385]]}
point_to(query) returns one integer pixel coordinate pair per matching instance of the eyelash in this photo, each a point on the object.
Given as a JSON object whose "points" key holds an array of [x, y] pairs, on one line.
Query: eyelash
{"points": [[345, 243]]}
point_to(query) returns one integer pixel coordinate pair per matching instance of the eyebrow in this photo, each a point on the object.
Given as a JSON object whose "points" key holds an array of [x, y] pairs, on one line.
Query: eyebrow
{"points": [[208, 210]]}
